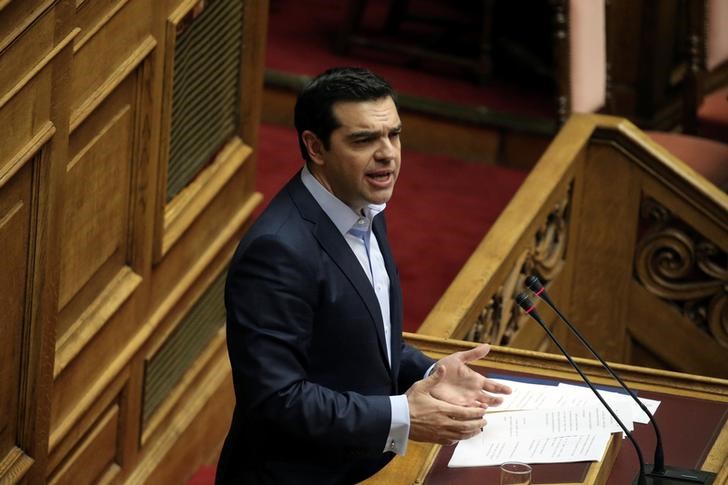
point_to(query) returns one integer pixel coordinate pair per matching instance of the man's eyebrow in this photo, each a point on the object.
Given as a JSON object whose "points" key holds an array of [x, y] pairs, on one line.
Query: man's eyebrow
{"points": [[372, 133]]}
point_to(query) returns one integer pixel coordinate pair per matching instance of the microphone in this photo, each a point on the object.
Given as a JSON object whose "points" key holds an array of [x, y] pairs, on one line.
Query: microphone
{"points": [[657, 472], [525, 302]]}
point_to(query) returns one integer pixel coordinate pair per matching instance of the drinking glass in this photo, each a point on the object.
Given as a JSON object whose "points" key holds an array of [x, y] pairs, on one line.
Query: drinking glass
{"points": [[515, 473]]}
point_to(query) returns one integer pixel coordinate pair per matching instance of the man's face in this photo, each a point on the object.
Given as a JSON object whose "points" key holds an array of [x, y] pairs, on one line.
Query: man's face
{"points": [[364, 156]]}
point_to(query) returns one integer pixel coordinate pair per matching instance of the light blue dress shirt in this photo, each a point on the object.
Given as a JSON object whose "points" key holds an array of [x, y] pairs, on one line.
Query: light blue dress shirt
{"points": [[357, 231]]}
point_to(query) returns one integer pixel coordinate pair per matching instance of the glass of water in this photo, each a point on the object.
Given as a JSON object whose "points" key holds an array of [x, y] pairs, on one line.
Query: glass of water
{"points": [[515, 473]]}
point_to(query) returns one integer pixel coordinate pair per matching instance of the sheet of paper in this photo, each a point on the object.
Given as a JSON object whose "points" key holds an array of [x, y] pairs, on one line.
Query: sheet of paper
{"points": [[580, 395], [538, 423], [480, 451], [549, 424], [526, 396]]}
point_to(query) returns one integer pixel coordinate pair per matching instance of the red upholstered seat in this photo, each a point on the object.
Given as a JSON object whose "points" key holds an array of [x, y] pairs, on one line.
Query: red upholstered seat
{"points": [[587, 77], [707, 157], [713, 116]]}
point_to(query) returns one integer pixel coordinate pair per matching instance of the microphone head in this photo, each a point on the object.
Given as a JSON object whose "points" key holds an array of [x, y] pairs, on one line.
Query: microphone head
{"points": [[524, 301], [533, 283]]}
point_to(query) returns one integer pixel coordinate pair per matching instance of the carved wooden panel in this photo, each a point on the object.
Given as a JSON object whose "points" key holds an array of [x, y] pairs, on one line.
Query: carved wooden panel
{"points": [[685, 270], [501, 321], [682, 267], [645, 271]]}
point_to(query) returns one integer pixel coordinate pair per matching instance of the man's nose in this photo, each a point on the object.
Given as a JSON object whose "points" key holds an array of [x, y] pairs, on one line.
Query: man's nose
{"points": [[386, 151]]}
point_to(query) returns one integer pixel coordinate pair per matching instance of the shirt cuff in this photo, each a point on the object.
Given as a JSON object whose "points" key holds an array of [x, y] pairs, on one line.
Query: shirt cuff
{"points": [[399, 428]]}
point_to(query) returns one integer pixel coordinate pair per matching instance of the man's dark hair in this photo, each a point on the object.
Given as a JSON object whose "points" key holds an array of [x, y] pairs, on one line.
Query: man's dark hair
{"points": [[314, 106]]}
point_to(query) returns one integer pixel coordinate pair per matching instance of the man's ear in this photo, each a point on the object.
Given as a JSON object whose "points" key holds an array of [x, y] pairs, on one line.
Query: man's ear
{"points": [[313, 146]]}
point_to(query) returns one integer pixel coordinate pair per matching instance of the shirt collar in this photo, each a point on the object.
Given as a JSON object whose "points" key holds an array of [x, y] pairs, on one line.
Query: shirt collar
{"points": [[343, 216]]}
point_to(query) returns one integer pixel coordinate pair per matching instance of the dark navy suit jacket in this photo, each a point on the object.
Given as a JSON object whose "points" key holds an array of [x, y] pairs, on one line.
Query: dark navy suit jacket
{"points": [[306, 343]]}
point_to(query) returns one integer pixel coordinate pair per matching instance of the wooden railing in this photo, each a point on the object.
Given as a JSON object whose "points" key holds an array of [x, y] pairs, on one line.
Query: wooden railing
{"points": [[632, 244]]}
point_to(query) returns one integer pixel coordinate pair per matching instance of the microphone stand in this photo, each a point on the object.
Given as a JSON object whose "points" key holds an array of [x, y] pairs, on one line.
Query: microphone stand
{"points": [[525, 302], [657, 473]]}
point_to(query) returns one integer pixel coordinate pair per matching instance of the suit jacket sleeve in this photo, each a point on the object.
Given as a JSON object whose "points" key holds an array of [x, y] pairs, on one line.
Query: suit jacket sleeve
{"points": [[271, 300], [413, 367]]}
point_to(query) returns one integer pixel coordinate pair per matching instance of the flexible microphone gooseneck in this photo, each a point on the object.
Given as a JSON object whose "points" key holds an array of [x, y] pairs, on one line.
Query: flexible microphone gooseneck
{"points": [[656, 473], [525, 302]]}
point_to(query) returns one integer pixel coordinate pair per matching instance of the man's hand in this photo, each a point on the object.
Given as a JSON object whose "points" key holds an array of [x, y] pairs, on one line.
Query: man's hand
{"points": [[463, 386], [436, 421]]}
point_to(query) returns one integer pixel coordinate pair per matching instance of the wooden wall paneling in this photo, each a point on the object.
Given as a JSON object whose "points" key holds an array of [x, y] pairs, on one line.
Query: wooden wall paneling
{"points": [[213, 274], [23, 54], [255, 36], [188, 204], [25, 115], [103, 203], [663, 331], [89, 374], [170, 37], [116, 45], [702, 206], [194, 435], [605, 244], [143, 177], [220, 223], [81, 89], [211, 423], [33, 47], [18, 15], [181, 212], [467, 141], [93, 458], [92, 16], [25, 82], [91, 452], [177, 400], [96, 277], [16, 228]]}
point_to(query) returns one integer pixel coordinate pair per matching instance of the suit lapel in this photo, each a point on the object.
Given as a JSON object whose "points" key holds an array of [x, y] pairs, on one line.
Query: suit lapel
{"points": [[395, 291], [337, 248]]}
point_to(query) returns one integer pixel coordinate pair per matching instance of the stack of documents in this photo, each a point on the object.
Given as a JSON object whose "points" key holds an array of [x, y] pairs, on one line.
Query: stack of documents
{"points": [[549, 424]]}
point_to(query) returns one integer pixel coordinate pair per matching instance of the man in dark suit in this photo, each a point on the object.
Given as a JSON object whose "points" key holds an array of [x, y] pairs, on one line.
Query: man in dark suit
{"points": [[326, 390]]}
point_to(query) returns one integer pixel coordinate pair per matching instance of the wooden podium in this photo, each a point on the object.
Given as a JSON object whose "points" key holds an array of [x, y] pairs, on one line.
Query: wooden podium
{"points": [[692, 418]]}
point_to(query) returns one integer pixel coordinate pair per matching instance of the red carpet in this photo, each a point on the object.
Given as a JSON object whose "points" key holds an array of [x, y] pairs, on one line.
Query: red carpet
{"points": [[301, 34], [441, 209]]}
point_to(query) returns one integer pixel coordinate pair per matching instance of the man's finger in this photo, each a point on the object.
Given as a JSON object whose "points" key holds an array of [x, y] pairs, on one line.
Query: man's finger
{"points": [[462, 413], [496, 387], [463, 429], [474, 354]]}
